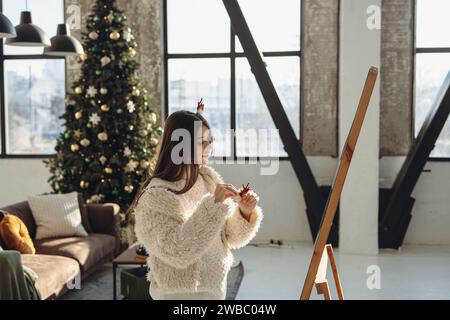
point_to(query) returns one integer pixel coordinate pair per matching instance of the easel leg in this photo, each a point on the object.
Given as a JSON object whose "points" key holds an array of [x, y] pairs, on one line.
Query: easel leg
{"points": [[337, 280], [323, 288]]}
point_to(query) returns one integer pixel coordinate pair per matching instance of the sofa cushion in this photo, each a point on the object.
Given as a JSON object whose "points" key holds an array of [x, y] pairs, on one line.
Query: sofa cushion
{"points": [[86, 250], [57, 215], [23, 211], [14, 234], [54, 272], [84, 213]]}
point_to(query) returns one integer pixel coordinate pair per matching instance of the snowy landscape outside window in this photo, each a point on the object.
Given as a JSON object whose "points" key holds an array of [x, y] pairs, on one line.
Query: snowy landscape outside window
{"points": [[33, 85], [432, 64], [205, 59]]}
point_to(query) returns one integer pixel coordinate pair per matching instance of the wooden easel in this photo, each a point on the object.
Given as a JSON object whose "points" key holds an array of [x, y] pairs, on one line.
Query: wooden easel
{"points": [[322, 251]]}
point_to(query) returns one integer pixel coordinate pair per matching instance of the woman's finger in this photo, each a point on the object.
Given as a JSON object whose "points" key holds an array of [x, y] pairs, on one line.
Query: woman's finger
{"points": [[232, 189]]}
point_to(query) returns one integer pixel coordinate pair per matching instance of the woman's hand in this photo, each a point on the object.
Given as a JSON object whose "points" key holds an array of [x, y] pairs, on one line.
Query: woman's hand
{"points": [[248, 203], [224, 191]]}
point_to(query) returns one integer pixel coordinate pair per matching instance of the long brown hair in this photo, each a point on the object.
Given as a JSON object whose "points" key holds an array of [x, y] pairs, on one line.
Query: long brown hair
{"points": [[165, 168]]}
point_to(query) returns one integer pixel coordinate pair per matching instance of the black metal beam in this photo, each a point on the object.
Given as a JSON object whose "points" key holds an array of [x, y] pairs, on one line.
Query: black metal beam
{"points": [[394, 220], [314, 200]]}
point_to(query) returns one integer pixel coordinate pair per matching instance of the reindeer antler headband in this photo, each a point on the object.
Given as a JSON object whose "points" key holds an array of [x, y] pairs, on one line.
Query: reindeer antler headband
{"points": [[200, 107]]}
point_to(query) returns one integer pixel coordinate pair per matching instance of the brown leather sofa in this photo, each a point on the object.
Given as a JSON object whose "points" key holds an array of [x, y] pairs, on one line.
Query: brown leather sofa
{"points": [[58, 261]]}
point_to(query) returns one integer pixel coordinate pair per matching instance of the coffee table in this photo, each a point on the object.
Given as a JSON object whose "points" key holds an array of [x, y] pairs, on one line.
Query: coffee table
{"points": [[128, 257]]}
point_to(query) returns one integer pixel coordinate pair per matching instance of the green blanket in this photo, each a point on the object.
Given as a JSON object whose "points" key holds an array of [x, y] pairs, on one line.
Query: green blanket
{"points": [[16, 282]]}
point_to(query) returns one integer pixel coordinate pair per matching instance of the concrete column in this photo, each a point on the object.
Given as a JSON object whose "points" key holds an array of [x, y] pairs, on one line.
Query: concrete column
{"points": [[360, 43]]}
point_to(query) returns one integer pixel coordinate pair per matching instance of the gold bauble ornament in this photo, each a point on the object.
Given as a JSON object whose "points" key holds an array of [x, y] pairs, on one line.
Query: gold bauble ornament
{"points": [[129, 188], [103, 91], [131, 52], [153, 118], [74, 147], [103, 136], [139, 172], [154, 141], [84, 184], [144, 163], [85, 142], [108, 170], [104, 107], [78, 114], [135, 92], [93, 35], [114, 35], [83, 57], [105, 60], [78, 90]]}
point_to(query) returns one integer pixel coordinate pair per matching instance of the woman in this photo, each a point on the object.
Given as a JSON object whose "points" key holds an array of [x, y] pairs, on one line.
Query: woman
{"points": [[186, 219]]}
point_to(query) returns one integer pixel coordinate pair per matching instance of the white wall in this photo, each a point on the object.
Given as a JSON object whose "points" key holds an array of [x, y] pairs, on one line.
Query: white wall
{"points": [[281, 196], [22, 177], [430, 221]]}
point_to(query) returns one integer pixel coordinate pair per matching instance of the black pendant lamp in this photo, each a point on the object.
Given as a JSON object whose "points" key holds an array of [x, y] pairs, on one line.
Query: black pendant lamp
{"points": [[6, 27], [28, 34], [63, 44]]}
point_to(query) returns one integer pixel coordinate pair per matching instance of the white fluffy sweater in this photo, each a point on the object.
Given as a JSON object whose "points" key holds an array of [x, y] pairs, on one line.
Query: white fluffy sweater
{"points": [[189, 236]]}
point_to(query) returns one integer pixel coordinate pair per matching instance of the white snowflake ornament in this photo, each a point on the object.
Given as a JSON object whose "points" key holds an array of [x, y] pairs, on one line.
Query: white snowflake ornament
{"points": [[131, 165], [127, 151], [95, 119], [91, 91], [130, 106]]}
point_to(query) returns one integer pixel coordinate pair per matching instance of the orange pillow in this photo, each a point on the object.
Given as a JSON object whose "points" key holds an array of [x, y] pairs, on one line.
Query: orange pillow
{"points": [[15, 234]]}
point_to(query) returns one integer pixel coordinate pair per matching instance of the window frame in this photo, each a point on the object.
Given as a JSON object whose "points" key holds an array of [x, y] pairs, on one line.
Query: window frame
{"points": [[423, 50], [232, 55], [3, 120]]}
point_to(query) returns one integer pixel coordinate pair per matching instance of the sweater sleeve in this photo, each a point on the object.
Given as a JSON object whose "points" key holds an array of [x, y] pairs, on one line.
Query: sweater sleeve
{"points": [[239, 231], [164, 233]]}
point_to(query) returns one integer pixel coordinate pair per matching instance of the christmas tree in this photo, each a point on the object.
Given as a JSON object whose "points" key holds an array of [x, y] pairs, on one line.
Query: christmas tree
{"points": [[110, 133]]}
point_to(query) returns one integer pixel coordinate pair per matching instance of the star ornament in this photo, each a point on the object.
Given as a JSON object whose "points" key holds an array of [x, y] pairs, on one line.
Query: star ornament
{"points": [[131, 106], [95, 119], [91, 91], [110, 17], [77, 133]]}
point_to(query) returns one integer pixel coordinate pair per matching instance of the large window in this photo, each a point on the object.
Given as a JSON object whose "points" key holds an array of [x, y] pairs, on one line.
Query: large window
{"points": [[432, 64], [204, 58], [33, 85]]}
